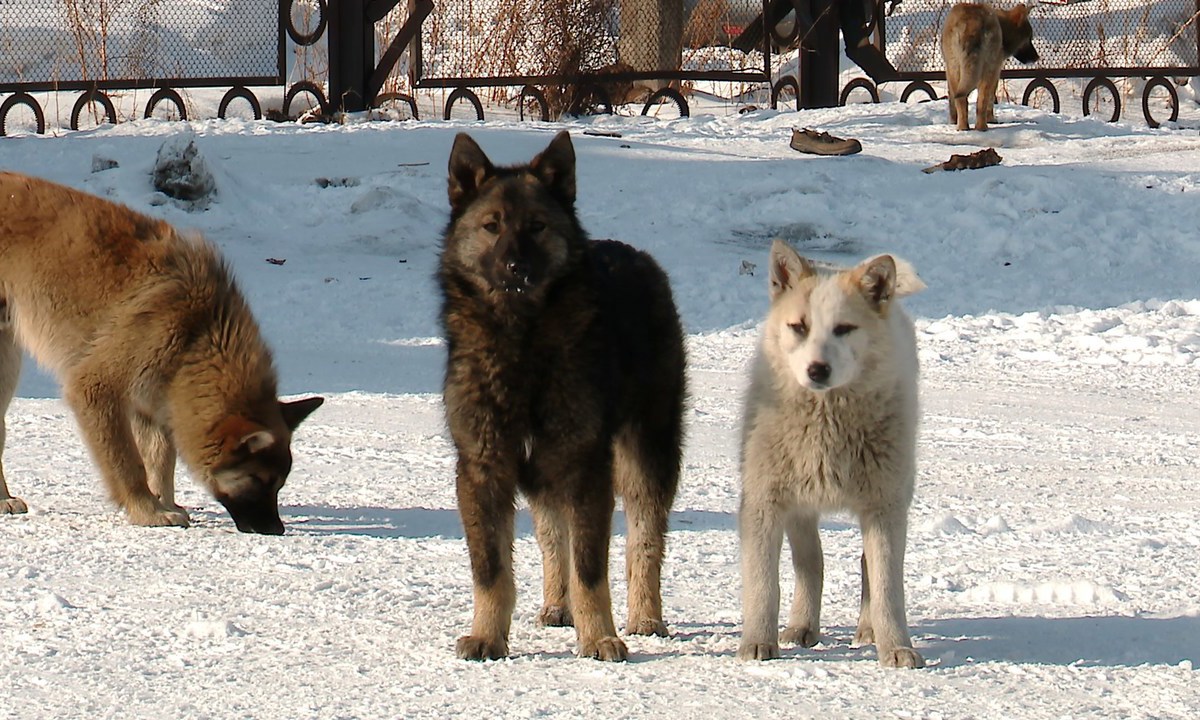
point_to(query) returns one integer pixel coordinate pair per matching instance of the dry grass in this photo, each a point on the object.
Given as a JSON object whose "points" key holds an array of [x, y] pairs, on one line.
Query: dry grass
{"points": [[89, 24], [523, 37]]}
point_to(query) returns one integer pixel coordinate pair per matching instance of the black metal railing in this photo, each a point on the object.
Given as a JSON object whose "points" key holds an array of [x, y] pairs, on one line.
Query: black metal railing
{"points": [[542, 58], [97, 47]]}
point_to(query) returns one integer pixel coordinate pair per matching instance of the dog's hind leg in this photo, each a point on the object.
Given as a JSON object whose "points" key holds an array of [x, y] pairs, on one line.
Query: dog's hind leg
{"points": [[647, 472], [985, 102], [158, 455], [10, 371], [884, 532], [551, 526], [865, 634], [952, 83], [804, 621]]}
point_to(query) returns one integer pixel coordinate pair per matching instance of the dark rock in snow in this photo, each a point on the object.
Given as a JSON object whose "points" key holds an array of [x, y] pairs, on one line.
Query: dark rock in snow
{"points": [[101, 163], [181, 172]]}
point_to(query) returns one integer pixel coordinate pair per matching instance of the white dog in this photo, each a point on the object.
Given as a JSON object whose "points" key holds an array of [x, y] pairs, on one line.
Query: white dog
{"points": [[830, 423]]}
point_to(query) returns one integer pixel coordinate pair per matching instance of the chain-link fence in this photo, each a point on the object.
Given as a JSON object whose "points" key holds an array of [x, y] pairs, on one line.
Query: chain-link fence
{"points": [[65, 44], [518, 39], [547, 57], [569, 55]]}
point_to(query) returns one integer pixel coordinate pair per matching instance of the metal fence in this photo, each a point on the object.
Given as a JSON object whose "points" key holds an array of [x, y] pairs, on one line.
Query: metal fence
{"points": [[584, 55], [542, 58], [77, 44], [96, 46]]}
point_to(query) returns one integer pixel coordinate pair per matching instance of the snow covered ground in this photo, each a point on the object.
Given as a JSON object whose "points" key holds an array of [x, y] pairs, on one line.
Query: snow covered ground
{"points": [[1054, 554]]}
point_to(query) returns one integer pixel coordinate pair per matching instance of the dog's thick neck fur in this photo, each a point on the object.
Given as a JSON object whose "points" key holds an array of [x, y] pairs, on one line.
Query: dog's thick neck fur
{"points": [[202, 393]]}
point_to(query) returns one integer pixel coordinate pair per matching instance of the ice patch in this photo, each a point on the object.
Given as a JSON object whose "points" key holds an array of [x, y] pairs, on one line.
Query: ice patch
{"points": [[415, 342], [995, 525], [386, 198], [1080, 592], [212, 629]]}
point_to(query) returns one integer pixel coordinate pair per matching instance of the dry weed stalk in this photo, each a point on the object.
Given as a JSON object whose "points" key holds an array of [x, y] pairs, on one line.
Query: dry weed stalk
{"points": [[1184, 25], [90, 24]]}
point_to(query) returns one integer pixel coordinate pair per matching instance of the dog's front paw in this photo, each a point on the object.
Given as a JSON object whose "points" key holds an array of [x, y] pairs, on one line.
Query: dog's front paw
{"points": [[901, 657], [758, 651], [803, 636], [646, 626], [471, 647], [555, 616], [609, 649], [13, 506], [158, 517]]}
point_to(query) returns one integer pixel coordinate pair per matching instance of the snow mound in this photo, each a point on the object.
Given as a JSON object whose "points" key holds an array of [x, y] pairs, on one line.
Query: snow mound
{"points": [[1076, 524], [949, 525], [50, 603]]}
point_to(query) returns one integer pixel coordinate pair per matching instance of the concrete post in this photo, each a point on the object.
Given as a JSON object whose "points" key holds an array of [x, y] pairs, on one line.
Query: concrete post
{"points": [[651, 36]]}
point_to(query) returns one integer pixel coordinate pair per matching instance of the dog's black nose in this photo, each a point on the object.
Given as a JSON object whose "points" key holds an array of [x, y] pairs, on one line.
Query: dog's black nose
{"points": [[518, 270], [818, 372]]}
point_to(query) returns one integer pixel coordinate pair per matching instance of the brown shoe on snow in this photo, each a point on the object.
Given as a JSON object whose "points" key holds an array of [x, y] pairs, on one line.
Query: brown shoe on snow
{"points": [[815, 143]]}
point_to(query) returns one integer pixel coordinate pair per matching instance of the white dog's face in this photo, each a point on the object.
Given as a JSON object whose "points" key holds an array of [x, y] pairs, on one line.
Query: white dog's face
{"points": [[826, 322], [824, 332]]}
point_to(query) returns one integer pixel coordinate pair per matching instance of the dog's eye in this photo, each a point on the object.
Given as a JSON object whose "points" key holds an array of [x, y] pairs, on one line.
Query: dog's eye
{"points": [[537, 226], [800, 328], [844, 329], [492, 226]]}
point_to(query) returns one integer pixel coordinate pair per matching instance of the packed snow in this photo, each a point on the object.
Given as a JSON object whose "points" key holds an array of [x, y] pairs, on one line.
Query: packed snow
{"points": [[1053, 566]]}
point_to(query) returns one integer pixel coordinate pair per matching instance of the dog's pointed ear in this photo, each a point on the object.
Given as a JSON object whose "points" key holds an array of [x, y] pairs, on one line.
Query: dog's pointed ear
{"points": [[295, 411], [469, 167], [555, 167], [908, 282], [1019, 14], [240, 437], [876, 279], [257, 440], [787, 268]]}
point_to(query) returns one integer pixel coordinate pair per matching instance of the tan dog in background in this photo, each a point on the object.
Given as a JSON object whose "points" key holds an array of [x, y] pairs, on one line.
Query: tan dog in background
{"points": [[976, 40], [155, 347]]}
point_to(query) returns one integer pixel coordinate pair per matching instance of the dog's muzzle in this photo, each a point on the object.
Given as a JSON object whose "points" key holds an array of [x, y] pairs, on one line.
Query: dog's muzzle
{"points": [[519, 278], [254, 517], [818, 373]]}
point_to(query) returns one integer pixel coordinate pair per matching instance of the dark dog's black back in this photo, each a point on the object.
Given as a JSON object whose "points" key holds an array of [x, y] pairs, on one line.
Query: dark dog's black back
{"points": [[565, 381]]}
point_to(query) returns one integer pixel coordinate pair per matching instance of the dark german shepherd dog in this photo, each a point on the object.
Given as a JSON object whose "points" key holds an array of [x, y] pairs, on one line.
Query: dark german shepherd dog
{"points": [[564, 381]]}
